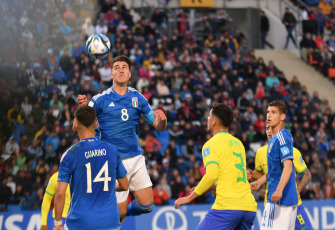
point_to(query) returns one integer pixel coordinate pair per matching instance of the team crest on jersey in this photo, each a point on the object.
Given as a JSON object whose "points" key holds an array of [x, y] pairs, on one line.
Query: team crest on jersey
{"points": [[270, 147], [134, 102]]}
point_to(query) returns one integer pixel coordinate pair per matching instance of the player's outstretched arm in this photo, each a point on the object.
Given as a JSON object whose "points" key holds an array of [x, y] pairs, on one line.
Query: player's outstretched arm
{"points": [[82, 100], [253, 175], [123, 184], [59, 204], [258, 183], [306, 179], [206, 182], [285, 176], [45, 210], [160, 122]]}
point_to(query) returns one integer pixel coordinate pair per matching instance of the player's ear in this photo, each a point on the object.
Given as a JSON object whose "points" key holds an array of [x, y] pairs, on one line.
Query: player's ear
{"points": [[96, 123], [282, 117], [111, 74]]}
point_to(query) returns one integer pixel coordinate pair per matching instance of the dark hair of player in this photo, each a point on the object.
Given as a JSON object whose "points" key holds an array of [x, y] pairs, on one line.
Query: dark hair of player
{"points": [[121, 58], [85, 115], [223, 113], [280, 105]]}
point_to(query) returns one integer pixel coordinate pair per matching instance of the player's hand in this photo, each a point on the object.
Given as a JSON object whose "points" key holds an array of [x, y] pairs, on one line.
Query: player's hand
{"points": [[82, 100], [191, 190], [180, 201], [255, 185], [60, 227], [160, 114], [249, 175], [44, 227], [276, 196]]}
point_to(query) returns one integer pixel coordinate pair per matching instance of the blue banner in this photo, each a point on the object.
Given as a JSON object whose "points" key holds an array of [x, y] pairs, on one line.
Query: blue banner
{"points": [[321, 215]]}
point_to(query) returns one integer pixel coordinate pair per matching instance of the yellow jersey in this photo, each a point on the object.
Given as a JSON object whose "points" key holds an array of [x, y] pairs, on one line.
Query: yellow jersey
{"points": [[262, 166], [48, 196], [232, 187]]}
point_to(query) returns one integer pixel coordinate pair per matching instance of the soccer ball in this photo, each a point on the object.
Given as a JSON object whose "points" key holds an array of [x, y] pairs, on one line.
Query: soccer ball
{"points": [[97, 46]]}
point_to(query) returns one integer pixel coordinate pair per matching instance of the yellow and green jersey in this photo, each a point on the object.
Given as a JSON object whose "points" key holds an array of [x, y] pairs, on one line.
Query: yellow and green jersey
{"points": [[262, 166], [50, 191], [232, 187]]}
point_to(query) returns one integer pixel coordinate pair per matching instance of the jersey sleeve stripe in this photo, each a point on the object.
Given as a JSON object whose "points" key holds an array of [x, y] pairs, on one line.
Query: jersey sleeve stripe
{"points": [[279, 138], [302, 170], [282, 138], [259, 170], [287, 158], [49, 193], [215, 162]]}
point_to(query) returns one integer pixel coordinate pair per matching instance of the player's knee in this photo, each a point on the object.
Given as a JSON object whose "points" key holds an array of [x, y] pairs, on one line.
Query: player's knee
{"points": [[146, 208]]}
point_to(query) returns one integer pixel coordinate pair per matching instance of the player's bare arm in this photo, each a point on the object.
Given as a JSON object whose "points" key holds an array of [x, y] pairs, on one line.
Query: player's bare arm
{"points": [[160, 122], [82, 100], [285, 176], [59, 203], [123, 184], [258, 183], [185, 200], [253, 175], [306, 179]]}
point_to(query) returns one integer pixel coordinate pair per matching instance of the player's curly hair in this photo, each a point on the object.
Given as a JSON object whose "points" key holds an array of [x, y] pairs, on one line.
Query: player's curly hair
{"points": [[280, 105], [121, 58], [223, 113], [85, 115]]}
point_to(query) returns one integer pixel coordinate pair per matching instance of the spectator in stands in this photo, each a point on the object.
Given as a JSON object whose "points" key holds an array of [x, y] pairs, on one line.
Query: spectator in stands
{"points": [[265, 27], [289, 21], [5, 193], [305, 44], [159, 18], [160, 195], [325, 7]]}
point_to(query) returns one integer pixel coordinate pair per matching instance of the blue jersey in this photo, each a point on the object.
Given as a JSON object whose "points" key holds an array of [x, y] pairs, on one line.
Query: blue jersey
{"points": [[119, 117], [280, 149], [91, 168]]}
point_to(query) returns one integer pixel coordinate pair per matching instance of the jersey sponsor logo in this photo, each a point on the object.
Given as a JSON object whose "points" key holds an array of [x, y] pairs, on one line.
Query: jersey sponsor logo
{"points": [[270, 147], [91, 104], [111, 104], [134, 101], [284, 151], [206, 152]]}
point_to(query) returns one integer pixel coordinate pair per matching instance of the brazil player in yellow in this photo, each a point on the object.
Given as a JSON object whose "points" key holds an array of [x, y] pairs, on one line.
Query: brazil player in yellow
{"points": [[302, 221], [47, 203], [225, 161]]}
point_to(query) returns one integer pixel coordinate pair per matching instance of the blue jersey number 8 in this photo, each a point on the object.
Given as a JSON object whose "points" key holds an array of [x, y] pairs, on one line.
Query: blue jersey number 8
{"points": [[124, 114]]}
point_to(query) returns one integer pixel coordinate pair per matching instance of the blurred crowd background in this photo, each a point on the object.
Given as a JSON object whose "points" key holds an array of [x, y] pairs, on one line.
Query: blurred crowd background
{"points": [[43, 68]]}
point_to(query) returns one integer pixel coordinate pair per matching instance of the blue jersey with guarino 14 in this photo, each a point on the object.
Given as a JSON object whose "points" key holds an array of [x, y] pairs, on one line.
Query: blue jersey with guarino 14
{"points": [[91, 168], [119, 117], [280, 149]]}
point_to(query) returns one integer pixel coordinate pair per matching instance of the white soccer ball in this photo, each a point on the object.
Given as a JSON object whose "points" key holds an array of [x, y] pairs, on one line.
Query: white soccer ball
{"points": [[97, 46]]}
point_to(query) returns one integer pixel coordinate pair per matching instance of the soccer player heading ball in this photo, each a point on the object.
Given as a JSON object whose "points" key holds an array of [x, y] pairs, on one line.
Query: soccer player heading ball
{"points": [[119, 110]]}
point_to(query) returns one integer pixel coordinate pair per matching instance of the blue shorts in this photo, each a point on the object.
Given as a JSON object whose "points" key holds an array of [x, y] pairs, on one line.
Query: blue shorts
{"points": [[302, 222], [227, 220]]}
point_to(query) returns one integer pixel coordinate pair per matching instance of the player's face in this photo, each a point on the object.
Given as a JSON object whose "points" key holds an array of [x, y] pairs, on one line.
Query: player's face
{"points": [[120, 72], [274, 117]]}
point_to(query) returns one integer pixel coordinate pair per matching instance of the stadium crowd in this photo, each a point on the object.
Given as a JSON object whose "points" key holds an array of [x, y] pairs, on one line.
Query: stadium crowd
{"points": [[43, 68]]}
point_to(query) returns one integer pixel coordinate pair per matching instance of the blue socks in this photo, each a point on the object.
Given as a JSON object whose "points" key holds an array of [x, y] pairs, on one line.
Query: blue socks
{"points": [[135, 209]]}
